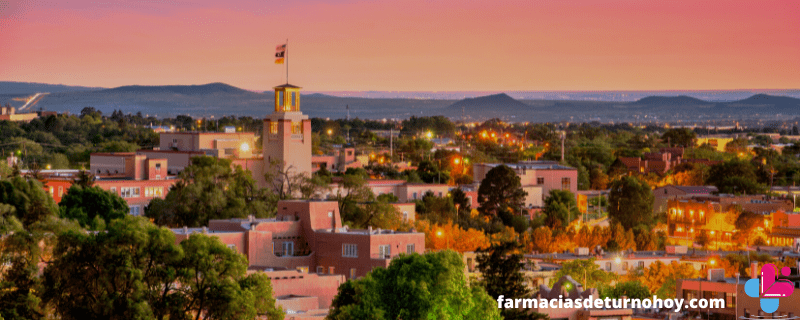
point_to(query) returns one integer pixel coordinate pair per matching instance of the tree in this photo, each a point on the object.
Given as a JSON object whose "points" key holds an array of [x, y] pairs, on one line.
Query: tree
{"points": [[451, 236], [734, 176], [31, 203], [501, 268], [629, 289], [680, 137], [86, 204], [501, 188], [134, 270], [429, 286], [560, 208], [352, 191], [631, 202], [737, 146], [585, 271], [661, 278], [210, 189]]}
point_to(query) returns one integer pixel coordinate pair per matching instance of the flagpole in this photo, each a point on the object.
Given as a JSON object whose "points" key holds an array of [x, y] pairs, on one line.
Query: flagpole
{"points": [[287, 60]]}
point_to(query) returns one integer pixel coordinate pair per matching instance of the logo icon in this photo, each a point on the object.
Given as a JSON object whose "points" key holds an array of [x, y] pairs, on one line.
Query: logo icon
{"points": [[770, 288]]}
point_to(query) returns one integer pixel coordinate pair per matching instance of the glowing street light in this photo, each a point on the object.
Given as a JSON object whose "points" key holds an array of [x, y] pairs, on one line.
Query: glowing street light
{"points": [[456, 161], [618, 260], [244, 147], [429, 134], [330, 132]]}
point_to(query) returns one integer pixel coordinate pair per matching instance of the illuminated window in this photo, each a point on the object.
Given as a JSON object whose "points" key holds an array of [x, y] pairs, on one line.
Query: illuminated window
{"points": [[130, 192], [297, 127], [273, 127]]}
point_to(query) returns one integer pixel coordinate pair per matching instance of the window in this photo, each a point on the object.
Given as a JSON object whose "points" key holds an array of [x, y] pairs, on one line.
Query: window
{"points": [[410, 248], [349, 250], [288, 248], [385, 251], [415, 195], [134, 210], [158, 167], [273, 127], [60, 191], [731, 301], [130, 192], [294, 99], [154, 192], [405, 215], [352, 273], [330, 270], [297, 127], [51, 191], [641, 264], [608, 266], [565, 184], [113, 190], [320, 270], [540, 180]]}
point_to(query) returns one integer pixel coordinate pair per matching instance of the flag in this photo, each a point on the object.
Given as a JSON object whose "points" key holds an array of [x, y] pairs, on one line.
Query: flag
{"points": [[280, 54]]}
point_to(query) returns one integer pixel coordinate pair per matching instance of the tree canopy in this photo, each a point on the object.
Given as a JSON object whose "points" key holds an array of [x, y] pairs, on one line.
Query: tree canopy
{"points": [[134, 270], [630, 202], [89, 205], [210, 189], [429, 286], [501, 188]]}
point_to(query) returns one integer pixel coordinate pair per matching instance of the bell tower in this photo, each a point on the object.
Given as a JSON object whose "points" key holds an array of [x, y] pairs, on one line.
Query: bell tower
{"points": [[286, 137]]}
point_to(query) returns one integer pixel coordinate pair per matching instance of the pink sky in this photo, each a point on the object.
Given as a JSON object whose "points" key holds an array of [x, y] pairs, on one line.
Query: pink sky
{"points": [[416, 45]]}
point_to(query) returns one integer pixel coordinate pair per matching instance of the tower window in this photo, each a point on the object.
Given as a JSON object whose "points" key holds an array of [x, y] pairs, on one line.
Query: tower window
{"points": [[297, 128], [273, 127]]}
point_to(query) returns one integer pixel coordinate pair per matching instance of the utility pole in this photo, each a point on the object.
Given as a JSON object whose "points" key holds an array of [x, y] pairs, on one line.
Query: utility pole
{"points": [[563, 137]]}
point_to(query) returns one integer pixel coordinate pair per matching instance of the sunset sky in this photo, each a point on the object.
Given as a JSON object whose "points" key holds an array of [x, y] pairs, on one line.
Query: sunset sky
{"points": [[414, 45]]}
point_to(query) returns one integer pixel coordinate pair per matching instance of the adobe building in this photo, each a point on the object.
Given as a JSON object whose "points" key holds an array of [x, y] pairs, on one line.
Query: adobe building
{"points": [[737, 302], [537, 178], [338, 160], [308, 236], [136, 178], [665, 193]]}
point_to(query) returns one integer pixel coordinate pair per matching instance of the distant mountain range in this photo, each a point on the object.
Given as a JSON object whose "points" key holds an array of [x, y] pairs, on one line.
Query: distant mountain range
{"points": [[222, 99]]}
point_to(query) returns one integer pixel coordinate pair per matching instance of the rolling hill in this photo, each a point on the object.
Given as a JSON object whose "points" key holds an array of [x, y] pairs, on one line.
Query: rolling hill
{"points": [[222, 99]]}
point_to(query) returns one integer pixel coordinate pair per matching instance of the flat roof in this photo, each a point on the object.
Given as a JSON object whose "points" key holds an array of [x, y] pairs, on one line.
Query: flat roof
{"points": [[532, 165]]}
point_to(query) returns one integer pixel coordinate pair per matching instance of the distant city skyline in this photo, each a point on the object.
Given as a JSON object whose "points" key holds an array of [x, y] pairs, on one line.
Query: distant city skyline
{"points": [[406, 45]]}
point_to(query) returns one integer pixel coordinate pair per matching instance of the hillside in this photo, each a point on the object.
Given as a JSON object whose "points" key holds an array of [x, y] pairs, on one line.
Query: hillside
{"points": [[25, 88]]}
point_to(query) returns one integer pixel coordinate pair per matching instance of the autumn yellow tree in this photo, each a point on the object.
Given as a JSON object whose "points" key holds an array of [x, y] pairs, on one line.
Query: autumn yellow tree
{"points": [[438, 237]]}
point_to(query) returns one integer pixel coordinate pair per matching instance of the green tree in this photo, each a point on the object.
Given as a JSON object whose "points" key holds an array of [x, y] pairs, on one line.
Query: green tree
{"points": [[630, 202], [134, 270], [629, 289], [501, 188], [734, 176], [560, 208], [679, 137], [501, 268], [429, 286], [86, 204], [210, 189], [585, 271], [31, 203]]}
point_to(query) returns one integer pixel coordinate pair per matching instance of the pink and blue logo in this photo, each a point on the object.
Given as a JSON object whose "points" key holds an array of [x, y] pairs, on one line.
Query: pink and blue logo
{"points": [[770, 288]]}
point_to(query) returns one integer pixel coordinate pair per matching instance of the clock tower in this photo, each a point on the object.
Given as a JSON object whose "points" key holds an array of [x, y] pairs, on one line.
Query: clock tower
{"points": [[286, 136]]}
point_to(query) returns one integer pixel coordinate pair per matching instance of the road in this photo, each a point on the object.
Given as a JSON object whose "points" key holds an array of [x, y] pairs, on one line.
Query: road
{"points": [[33, 100]]}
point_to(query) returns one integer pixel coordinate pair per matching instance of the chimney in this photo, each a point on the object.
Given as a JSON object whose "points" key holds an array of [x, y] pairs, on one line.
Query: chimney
{"points": [[205, 230], [753, 270]]}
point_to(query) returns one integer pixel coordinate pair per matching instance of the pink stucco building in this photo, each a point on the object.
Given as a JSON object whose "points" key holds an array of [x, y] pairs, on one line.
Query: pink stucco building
{"points": [[537, 178], [308, 237]]}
